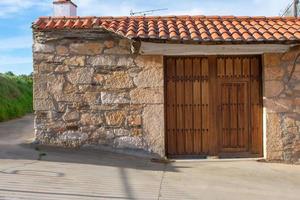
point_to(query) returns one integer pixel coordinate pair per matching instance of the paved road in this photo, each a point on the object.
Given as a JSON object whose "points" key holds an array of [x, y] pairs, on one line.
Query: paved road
{"points": [[87, 174]]}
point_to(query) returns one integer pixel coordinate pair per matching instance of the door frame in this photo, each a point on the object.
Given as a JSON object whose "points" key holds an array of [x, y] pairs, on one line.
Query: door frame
{"points": [[214, 110]]}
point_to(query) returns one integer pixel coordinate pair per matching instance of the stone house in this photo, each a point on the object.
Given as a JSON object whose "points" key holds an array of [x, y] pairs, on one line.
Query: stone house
{"points": [[175, 86]]}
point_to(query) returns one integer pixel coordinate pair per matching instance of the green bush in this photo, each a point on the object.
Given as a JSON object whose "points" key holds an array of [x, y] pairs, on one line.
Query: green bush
{"points": [[15, 95]]}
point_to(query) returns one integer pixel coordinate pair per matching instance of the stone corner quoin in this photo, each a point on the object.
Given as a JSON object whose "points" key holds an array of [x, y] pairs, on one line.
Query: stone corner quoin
{"points": [[90, 89]]}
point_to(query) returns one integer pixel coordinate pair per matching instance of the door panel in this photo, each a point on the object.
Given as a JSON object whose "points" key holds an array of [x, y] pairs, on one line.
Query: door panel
{"points": [[198, 86], [233, 112]]}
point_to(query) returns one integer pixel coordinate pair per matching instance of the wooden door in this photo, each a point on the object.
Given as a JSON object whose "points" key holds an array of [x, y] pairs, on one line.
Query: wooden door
{"points": [[187, 106], [213, 105]]}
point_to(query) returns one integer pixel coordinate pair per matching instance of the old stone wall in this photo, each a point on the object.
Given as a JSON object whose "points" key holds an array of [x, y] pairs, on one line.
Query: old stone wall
{"points": [[282, 105], [90, 89]]}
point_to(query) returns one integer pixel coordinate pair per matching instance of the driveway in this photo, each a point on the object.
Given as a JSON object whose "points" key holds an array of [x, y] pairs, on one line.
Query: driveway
{"points": [[89, 174]]}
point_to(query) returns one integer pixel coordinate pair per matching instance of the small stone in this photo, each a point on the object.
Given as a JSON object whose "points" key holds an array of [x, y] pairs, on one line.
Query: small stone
{"points": [[128, 142], [43, 48], [149, 61], [73, 138], [118, 80], [88, 48], [151, 77], [273, 88], [38, 57], [274, 73], [71, 116], [293, 130], [69, 88], [147, 95], [55, 84], [62, 50], [114, 98], [91, 119], [91, 97], [134, 120], [109, 44], [274, 142], [44, 67], [136, 132], [125, 43], [117, 50], [125, 61], [272, 59], [43, 105], [103, 60], [115, 118], [153, 124], [121, 132], [75, 61], [81, 76], [62, 69], [99, 78]]}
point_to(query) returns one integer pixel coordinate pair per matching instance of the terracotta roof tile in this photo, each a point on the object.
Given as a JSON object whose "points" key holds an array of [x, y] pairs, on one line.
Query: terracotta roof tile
{"points": [[195, 28]]}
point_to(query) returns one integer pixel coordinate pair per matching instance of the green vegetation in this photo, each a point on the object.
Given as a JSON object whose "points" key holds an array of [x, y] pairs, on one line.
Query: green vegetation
{"points": [[15, 95]]}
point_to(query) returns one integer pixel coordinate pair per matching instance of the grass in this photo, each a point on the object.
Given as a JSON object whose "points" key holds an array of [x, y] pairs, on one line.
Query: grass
{"points": [[15, 96]]}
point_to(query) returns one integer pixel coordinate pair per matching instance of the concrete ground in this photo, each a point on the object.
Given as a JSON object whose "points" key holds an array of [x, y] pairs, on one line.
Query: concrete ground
{"points": [[88, 174]]}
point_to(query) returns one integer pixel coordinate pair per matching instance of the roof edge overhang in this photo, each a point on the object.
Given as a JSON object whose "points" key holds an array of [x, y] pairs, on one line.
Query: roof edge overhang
{"points": [[148, 48]]}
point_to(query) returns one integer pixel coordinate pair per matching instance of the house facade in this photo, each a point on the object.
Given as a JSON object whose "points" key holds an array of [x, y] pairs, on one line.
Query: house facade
{"points": [[175, 86]]}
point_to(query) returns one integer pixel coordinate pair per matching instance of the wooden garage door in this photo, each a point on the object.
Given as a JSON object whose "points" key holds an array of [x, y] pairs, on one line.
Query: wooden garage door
{"points": [[213, 106]]}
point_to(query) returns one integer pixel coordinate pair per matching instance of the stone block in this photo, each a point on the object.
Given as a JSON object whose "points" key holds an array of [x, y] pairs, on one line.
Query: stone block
{"points": [[117, 51], [75, 61], [134, 120], [71, 116], [114, 98], [125, 61], [273, 88], [88, 48], [109, 44], [274, 137], [72, 138], [118, 80], [43, 104], [62, 50], [43, 57], [153, 123], [147, 95], [94, 119], [149, 61], [150, 77], [115, 118], [125, 43], [272, 59], [274, 73], [62, 69], [81, 76], [129, 142], [103, 60], [43, 48]]}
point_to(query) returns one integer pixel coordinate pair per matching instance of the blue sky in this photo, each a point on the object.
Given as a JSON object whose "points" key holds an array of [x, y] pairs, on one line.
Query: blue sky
{"points": [[16, 17]]}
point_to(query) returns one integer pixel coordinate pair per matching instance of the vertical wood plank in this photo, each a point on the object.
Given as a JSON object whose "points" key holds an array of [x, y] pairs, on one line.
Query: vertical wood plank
{"points": [[212, 108], [188, 108], [234, 115], [197, 101], [171, 106], [229, 67], [237, 67], [180, 93]]}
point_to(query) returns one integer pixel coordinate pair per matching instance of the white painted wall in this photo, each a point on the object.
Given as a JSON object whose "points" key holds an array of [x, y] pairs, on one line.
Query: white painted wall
{"points": [[64, 9]]}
